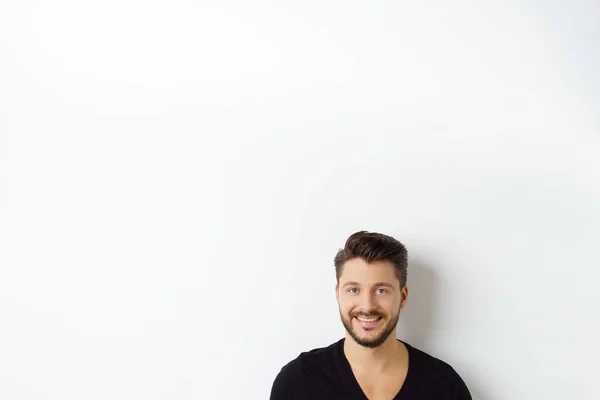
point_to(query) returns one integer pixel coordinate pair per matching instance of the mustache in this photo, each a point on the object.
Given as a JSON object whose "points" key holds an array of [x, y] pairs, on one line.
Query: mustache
{"points": [[367, 315]]}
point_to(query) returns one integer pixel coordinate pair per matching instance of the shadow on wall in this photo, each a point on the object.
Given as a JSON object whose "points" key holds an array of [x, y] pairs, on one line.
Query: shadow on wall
{"points": [[419, 316]]}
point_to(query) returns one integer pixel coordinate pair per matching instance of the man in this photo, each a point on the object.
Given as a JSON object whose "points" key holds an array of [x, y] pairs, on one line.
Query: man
{"points": [[369, 363]]}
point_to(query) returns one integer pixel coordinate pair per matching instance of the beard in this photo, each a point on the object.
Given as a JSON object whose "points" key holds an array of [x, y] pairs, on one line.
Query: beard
{"points": [[375, 341]]}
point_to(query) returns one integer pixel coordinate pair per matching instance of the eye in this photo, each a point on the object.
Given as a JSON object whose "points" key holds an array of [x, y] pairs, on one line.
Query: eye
{"points": [[353, 290], [381, 291]]}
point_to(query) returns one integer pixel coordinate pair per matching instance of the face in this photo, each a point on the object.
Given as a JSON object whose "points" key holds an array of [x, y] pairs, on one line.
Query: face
{"points": [[370, 299]]}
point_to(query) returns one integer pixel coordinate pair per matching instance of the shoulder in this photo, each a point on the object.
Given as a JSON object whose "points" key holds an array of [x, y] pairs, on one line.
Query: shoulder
{"points": [[427, 361], [433, 373], [303, 371]]}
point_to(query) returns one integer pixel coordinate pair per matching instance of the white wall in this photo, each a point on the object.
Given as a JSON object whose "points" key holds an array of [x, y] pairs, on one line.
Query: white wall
{"points": [[177, 177]]}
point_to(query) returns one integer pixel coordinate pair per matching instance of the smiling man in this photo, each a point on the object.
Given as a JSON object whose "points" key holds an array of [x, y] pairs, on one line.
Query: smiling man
{"points": [[369, 362]]}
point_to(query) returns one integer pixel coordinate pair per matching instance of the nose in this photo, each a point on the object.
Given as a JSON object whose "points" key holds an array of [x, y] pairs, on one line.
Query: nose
{"points": [[368, 302]]}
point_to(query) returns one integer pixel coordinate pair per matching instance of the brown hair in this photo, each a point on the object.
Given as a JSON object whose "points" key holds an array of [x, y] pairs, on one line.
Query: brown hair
{"points": [[371, 246]]}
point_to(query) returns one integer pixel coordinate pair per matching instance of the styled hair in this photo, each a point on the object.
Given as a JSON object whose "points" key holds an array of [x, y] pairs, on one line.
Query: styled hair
{"points": [[372, 246]]}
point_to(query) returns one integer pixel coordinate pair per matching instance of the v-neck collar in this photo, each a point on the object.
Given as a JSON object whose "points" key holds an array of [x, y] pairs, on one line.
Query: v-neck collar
{"points": [[350, 375]]}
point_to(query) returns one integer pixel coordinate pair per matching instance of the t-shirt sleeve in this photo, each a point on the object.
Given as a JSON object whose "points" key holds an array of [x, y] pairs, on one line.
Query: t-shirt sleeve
{"points": [[461, 392], [282, 387]]}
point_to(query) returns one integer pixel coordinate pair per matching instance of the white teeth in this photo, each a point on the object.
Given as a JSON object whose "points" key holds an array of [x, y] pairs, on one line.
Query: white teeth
{"points": [[367, 319]]}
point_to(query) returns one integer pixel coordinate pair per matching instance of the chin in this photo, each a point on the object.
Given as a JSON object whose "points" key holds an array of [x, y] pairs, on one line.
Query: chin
{"points": [[370, 342]]}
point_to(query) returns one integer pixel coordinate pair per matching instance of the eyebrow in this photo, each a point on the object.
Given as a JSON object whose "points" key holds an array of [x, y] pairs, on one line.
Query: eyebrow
{"points": [[353, 283]]}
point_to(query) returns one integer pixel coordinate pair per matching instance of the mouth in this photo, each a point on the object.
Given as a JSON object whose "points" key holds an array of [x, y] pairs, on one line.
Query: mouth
{"points": [[368, 322]]}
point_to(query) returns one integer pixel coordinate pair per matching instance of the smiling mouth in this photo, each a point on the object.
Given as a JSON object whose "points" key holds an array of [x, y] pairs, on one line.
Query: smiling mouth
{"points": [[364, 319], [368, 322]]}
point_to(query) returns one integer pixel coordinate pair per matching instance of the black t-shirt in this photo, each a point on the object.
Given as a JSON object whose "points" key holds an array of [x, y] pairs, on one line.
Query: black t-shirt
{"points": [[325, 373]]}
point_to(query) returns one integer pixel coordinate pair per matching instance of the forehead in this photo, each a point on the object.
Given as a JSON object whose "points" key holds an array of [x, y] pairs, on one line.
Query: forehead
{"points": [[358, 270]]}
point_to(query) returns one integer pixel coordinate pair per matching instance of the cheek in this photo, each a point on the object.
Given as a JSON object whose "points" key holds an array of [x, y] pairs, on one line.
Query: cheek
{"points": [[390, 304], [346, 305]]}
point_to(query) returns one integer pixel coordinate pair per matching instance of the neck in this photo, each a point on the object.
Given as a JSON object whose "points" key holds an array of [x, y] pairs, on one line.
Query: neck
{"points": [[389, 354]]}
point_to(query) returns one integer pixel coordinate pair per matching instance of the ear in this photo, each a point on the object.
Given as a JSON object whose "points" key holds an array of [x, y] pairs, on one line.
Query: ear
{"points": [[404, 296], [337, 294]]}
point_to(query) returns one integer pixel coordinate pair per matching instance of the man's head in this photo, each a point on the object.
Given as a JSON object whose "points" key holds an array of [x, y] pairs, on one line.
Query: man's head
{"points": [[371, 272]]}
